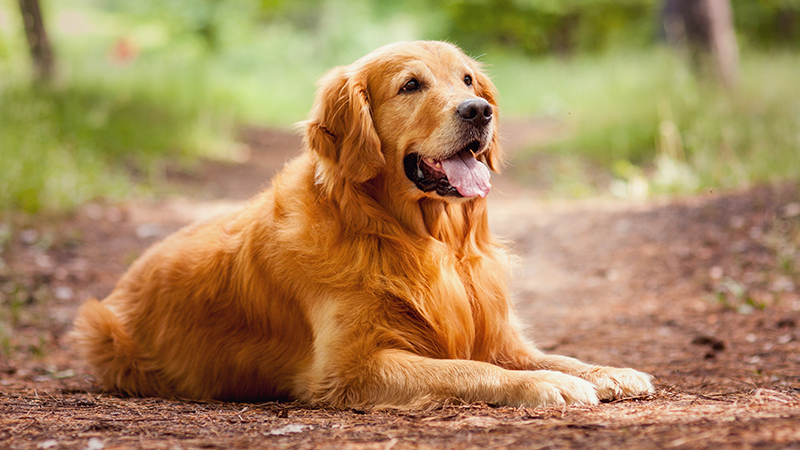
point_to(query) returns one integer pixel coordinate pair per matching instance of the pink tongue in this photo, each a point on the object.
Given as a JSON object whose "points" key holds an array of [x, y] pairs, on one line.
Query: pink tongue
{"points": [[467, 174]]}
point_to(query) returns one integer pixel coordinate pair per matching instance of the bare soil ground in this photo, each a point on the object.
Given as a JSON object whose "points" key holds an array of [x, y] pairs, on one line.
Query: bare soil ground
{"points": [[701, 292]]}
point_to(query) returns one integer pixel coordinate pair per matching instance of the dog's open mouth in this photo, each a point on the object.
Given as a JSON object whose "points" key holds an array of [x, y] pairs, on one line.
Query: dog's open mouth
{"points": [[460, 175]]}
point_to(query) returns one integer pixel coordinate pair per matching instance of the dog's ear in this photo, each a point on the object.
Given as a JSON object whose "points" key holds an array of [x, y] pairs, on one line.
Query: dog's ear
{"points": [[340, 127], [485, 89]]}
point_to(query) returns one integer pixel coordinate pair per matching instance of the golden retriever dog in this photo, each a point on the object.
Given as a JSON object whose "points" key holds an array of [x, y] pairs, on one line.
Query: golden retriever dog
{"points": [[365, 276]]}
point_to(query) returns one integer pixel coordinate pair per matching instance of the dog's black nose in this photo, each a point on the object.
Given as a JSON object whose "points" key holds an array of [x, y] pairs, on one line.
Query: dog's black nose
{"points": [[476, 111]]}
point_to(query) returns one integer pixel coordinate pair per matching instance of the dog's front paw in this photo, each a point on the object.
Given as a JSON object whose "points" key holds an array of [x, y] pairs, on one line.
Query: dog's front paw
{"points": [[549, 388], [613, 383]]}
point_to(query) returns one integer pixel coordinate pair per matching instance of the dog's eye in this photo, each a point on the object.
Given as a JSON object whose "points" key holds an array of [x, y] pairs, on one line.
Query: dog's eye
{"points": [[411, 85], [468, 80]]}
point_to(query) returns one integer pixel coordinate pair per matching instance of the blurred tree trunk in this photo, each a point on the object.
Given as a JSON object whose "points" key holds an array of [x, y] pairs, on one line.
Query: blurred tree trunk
{"points": [[723, 40], [38, 43], [706, 26]]}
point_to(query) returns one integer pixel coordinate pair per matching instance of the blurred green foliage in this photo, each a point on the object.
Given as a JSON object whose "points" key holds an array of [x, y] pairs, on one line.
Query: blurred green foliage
{"points": [[545, 26], [530, 26], [569, 26], [144, 81], [768, 23]]}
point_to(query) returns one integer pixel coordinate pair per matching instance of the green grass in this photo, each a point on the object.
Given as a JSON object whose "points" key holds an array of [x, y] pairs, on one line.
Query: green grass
{"points": [[61, 146], [646, 116]]}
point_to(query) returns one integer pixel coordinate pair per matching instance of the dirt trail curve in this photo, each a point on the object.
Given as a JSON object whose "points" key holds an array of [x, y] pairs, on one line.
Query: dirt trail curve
{"points": [[701, 292]]}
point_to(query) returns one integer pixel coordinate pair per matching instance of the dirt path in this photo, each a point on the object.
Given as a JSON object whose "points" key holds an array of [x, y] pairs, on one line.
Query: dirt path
{"points": [[702, 292]]}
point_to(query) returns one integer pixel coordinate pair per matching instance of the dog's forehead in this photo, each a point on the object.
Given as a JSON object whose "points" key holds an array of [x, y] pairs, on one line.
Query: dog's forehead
{"points": [[417, 50], [431, 60], [438, 59]]}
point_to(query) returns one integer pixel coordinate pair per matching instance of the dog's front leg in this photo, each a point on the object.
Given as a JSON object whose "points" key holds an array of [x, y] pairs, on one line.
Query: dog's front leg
{"points": [[397, 378]]}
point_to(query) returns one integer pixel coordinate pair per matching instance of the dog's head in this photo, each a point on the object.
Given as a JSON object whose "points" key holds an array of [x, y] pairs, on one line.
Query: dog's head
{"points": [[421, 116]]}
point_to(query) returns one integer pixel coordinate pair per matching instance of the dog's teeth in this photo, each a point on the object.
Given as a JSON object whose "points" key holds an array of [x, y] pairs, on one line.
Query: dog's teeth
{"points": [[431, 163]]}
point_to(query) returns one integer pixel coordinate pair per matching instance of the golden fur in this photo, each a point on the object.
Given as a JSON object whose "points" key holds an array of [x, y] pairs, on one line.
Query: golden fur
{"points": [[343, 284]]}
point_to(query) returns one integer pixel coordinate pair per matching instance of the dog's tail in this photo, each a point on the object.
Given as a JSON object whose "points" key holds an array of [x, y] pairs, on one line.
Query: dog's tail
{"points": [[102, 340]]}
